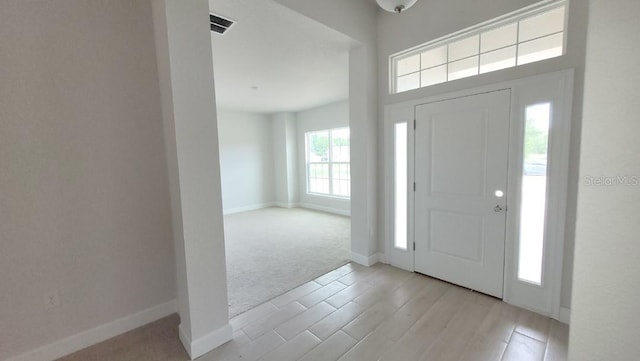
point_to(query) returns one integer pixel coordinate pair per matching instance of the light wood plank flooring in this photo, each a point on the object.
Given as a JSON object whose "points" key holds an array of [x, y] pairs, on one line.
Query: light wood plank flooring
{"points": [[378, 313]]}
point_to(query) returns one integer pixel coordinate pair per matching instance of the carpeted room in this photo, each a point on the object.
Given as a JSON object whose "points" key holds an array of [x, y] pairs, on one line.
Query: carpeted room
{"points": [[272, 250], [284, 142], [283, 226]]}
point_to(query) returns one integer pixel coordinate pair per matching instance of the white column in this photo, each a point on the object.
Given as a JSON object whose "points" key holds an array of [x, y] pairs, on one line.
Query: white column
{"points": [[363, 120], [284, 159], [183, 46], [291, 145]]}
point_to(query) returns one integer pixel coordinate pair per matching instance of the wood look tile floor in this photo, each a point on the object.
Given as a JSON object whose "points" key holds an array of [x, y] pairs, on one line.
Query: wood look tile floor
{"points": [[357, 313]]}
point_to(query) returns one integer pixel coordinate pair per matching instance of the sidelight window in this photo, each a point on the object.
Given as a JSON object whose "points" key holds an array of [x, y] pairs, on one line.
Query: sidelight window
{"points": [[534, 193]]}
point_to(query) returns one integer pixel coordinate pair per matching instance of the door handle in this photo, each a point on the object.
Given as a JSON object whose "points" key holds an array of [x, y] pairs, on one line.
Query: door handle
{"points": [[498, 208]]}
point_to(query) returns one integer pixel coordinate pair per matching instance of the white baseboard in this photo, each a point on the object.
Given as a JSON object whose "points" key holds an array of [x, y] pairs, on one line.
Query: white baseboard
{"points": [[251, 207], [286, 205], [98, 334], [365, 260], [565, 315], [342, 212], [382, 258], [206, 343]]}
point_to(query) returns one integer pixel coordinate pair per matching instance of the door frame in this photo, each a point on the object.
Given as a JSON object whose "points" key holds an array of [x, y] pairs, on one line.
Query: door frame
{"points": [[559, 90]]}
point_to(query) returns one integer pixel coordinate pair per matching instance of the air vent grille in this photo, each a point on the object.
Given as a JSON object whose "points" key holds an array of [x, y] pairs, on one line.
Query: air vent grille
{"points": [[220, 24]]}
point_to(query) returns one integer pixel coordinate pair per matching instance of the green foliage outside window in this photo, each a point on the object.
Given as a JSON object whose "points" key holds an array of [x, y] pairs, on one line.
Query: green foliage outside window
{"points": [[536, 141], [320, 145]]}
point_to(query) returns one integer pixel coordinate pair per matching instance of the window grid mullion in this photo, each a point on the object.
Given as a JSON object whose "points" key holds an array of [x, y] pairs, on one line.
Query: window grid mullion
{"points": [[541, 37], [500, 48], [435, 66]]}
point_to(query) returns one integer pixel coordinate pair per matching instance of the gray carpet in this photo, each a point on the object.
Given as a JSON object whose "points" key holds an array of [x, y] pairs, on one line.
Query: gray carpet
{"points": [[272, 250]]}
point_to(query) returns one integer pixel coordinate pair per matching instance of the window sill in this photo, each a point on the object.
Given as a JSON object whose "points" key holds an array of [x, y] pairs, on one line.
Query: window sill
{"points": [[320, 195]]}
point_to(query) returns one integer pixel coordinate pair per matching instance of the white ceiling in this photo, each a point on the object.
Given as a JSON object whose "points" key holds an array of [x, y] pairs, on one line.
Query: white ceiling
{"points": [[296, 63]]}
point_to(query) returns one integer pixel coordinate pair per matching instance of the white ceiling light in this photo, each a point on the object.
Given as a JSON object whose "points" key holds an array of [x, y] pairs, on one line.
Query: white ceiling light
{"points": [[396, 6]]}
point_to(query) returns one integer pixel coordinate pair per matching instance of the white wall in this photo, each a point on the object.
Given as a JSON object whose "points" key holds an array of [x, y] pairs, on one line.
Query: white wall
{"points": [[246, 160], [335, 115], [428, 20], [605, 315], [262, 158], [84, 198]]}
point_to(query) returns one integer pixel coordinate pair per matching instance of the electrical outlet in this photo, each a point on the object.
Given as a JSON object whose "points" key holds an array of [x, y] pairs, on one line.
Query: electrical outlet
{"points": [[52, 299]]}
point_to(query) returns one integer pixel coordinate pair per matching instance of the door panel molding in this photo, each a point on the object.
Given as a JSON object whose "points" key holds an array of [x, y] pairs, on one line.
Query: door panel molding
{"points": [[454, 249]]}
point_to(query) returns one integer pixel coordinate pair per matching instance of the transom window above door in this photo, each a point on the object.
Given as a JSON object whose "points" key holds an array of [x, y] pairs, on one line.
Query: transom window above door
{"points": [[528, 35], [328, 162]]}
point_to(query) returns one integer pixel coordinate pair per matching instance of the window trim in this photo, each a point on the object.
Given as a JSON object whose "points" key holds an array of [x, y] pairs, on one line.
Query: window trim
{"points": [[330, 164], [478, 29]]}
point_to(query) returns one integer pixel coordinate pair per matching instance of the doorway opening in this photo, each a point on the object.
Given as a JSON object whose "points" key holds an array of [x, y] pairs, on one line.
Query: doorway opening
{"points": [[282, 94]]}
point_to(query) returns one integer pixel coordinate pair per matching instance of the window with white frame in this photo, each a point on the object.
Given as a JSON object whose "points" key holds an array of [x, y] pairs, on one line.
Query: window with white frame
{"points": [[328, 162], [528, 35]]}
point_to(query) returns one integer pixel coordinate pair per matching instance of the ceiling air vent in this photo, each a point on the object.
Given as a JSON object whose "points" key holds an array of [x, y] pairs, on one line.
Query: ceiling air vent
{"points": [[220, 24]]}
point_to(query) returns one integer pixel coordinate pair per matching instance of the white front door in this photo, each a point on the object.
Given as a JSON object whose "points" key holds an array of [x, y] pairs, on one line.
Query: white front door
{"points": [[461, 158]]}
